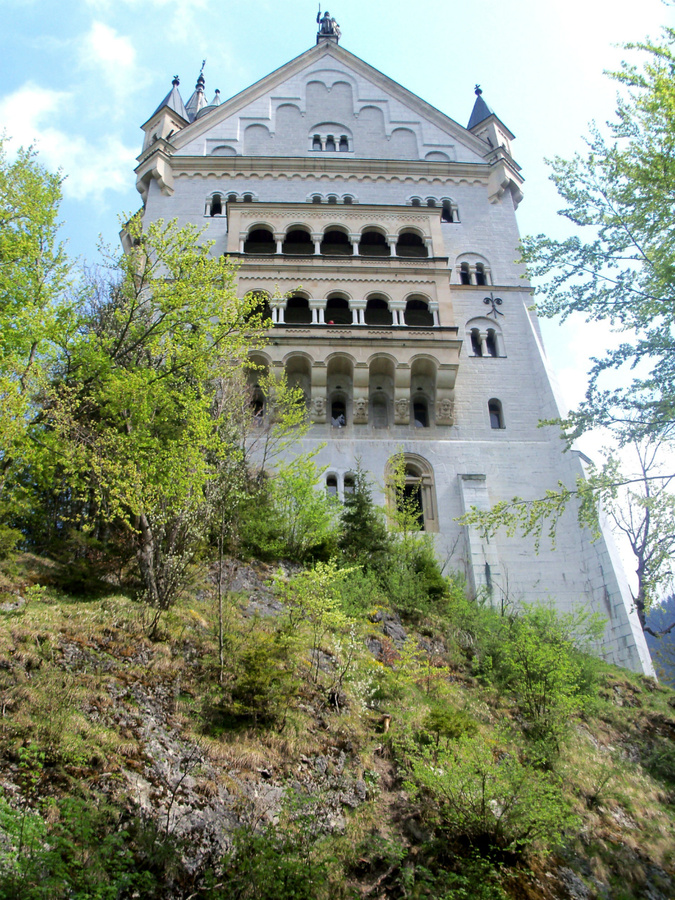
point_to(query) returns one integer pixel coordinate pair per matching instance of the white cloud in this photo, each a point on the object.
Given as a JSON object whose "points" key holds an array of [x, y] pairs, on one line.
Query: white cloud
{"points": [[90, 167], [110, 53]]}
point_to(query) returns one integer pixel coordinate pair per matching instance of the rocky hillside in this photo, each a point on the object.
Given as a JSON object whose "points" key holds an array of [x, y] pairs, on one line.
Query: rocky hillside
{"points": [[300, 735]]}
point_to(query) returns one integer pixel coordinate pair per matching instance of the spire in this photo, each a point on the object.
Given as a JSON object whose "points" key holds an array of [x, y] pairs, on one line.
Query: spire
{"points": [[480, 109], [173, 100], [197, 101], [212, 105]]}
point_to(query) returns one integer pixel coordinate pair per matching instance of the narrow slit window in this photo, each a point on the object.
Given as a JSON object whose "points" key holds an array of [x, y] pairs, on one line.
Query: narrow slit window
{"points": [[464, 274], [216, 205], [447, 212], [344, 144], [496, 414], [338, 414], [316, 142], [476, 347], [330, 143], [480, 274], [420, 414]]}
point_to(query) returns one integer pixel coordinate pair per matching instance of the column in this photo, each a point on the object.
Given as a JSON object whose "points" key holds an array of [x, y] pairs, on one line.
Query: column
{"points": [[279, 238], [483, 343], [392, 240], [433, 309], [402, 394], [317, 243], [354, 238], [319, 376], [397, 308], [317, 307], [242, 239], [358, 308]]}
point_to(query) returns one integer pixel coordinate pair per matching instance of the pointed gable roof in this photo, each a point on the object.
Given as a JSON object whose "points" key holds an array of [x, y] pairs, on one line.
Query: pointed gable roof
{"points": [[323, 50], [173, 101], [480, 110]]}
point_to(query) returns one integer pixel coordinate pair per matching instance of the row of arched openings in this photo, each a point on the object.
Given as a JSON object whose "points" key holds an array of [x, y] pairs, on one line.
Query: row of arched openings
{"points": [[299, 241], [337, 310]]}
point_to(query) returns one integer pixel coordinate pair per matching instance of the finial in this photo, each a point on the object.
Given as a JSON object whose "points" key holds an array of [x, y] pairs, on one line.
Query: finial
{"points": [[176, 81], [200, 80], [477, 91]]}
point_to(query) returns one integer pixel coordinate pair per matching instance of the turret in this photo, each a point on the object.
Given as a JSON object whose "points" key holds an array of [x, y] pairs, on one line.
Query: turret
{"points": [[505, 171]]}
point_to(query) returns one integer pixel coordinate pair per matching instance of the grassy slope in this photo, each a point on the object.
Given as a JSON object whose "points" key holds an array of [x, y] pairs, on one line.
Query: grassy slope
{"points": [[90, 707]]}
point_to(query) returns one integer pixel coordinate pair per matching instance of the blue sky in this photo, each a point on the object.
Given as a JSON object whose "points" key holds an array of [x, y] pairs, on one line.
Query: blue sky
{"points": [[79, 77]]}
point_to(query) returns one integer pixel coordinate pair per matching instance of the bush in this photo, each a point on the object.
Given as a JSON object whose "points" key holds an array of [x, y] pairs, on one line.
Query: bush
{"points": [[480, 797]]}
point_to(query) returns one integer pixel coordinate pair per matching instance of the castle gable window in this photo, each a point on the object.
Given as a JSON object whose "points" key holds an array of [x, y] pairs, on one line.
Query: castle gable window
{"points": [[496, 414]]}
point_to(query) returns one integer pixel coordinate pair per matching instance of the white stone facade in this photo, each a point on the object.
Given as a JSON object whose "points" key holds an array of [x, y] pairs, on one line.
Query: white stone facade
{"points": [[393, 230]]}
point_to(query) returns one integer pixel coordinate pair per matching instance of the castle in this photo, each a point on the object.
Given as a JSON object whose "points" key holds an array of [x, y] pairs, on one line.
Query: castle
{"points": [[390, 232]]}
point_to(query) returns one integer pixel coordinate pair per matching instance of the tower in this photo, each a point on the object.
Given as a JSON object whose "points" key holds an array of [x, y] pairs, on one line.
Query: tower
{"points": [[389, 232]]}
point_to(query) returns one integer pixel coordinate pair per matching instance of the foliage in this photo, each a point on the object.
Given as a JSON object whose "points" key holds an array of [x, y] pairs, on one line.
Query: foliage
{"points": [[364, 539], [135, 420], [620, 194], [34, 316], [80, 848], [478, 794], [536, 657]]}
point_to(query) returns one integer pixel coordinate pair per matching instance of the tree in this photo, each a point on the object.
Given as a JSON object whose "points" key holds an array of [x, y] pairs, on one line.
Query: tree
{"points": [[137, 418], [620, 270], [364, 539], [621, 194], [34, 314]]}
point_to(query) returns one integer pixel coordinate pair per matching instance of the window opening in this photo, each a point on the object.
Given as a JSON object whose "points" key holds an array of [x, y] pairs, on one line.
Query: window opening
{"points": [[260, 307], [464, 274], [373, 243], [298, 311], [431, 203], [336, 243], [476, 347], [491, 343], [338, 312], [260, 240], [410, 244], [257, 405], [416, 201], [420, 414], [349, 484], [248, 198], [231, 198], [216, 205], [316, 198], [496, 416], [298, 243], [377, 312], [338, 414], [447, 212], [316, 142], [344, 144], [331, 486], [332, 199], [418, 314], [480, 274], [330, 143], [348, 201]]}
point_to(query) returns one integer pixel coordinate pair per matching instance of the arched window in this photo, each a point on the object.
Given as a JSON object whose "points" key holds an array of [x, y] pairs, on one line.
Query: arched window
{"points": [[259, 306], [377, 312], [447, 214], [316, 198], [257, 405], [338, 412], [336, 243], [298, 242], [344, 143], [330, 143], [418, 314], [476, 347], [415, 497], [349, 484], [480, 274], [411, 244], [373, 243], [297, 311], [260, 240], [332, 485], [316, 142], [337, 311], [464, 274], [348, 201], [491, 342], [216, 205], [415, 201], [248, 198], [231, 198], [332, 199], [496, 414], [431, 202], [420, 414]]}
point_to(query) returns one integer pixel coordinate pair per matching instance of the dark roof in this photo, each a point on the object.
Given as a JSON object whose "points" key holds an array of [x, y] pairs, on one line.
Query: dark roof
{"points": [[174, 101], [480, 110]]}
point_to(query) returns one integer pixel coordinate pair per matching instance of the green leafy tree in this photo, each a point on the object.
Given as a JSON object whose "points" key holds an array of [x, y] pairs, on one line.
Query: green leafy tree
{"points": [[35, 318], [136, 420]]}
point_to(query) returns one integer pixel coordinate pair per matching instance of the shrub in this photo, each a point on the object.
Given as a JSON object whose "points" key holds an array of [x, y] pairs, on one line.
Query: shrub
{"points": [[489, 800]]}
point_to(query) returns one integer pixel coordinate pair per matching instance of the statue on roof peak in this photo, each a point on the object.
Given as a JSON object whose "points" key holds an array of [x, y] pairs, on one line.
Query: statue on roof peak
{"points": [[327, 25]]}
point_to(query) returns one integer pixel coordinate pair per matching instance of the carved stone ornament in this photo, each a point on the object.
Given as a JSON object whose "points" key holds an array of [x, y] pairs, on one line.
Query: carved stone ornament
{"points": [[402, 408], [445, 412], [319, 409], [360, 411]]}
